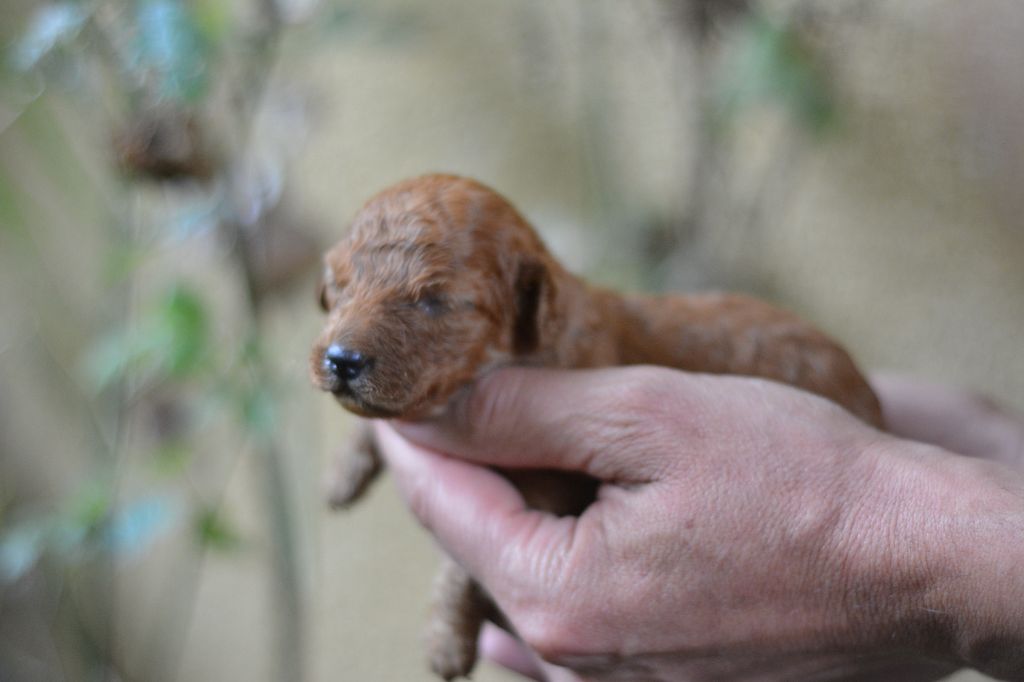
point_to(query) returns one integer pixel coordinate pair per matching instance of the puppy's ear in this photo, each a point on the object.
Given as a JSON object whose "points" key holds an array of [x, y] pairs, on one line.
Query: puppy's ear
{"points": [[531, 280]]}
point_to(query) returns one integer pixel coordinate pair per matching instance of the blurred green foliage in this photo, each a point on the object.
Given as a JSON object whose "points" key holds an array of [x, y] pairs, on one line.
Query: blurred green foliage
{"points": [[171, 340], [51, 28], [213, 530], [128, 61], [171, 46], [168, 48], [774, 63], [90, 522]]}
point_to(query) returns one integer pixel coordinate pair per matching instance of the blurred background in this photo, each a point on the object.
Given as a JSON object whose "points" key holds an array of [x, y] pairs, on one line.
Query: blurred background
{"points": [[170, 171]]}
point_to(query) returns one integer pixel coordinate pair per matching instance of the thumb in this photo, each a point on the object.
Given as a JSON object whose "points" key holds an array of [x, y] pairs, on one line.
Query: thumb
{"points": [[593, 421], [478, 517]]}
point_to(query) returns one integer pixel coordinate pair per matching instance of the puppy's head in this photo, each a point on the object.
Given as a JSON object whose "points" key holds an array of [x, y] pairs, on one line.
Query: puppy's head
{"points": [[438, 280]]}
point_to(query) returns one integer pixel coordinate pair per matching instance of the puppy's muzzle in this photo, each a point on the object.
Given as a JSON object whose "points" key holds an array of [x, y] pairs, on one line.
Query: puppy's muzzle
{"points": [[344, 366]]}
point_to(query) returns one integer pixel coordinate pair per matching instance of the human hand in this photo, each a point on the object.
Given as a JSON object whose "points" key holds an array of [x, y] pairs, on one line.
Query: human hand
{"points": [[743, 529], [955, 419]]}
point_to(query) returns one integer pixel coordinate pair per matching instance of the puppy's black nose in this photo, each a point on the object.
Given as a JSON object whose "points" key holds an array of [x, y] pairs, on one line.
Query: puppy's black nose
{"points": [[345, 364]]}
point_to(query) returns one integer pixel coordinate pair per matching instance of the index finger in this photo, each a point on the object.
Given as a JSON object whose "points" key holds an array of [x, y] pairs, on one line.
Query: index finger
{"points": [[608, 423]]}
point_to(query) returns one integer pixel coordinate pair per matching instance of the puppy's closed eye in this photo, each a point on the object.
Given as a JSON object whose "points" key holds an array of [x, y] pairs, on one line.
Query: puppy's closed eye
{"points": [[432, 304]]}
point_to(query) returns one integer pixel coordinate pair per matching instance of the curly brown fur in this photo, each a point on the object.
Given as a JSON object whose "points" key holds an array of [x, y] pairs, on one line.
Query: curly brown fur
{"points": [[440, 280]]}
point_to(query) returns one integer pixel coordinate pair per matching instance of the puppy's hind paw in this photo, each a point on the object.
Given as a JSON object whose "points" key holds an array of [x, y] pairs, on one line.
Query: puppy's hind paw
{"points": [[452, 657]]}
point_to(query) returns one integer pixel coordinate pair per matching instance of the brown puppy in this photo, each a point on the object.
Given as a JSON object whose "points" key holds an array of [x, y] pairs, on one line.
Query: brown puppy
{"points": [[440, 280]]}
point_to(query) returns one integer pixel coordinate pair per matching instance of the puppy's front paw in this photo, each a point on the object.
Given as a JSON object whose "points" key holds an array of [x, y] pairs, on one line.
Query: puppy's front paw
{"points": [[343, 492], [451, 655], [352, 472]]}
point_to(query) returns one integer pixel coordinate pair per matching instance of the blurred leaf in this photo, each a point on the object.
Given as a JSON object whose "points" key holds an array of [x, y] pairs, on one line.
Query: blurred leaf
{"points": [[121, 260], [50, 27], [171, 340], [90, 505], [170, 46], [107, 359], [195, 217], [89, 517], [66, 537], [251, 354], [24, 544], [133, 527], [775, 64], [183, 319], [20, 549], [61, 535], [251, 390], [171, 459], [213, 19], [259, 410], [214, 531]]}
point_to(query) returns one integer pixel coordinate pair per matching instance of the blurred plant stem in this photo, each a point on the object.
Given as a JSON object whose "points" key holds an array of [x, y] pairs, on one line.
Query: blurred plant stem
{"points": [[155, 65], [284, 553], [286, 590]]}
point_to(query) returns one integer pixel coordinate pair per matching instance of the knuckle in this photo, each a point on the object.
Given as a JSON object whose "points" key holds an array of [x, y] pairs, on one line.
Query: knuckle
{"points": [[647, 414], [647, 390]]}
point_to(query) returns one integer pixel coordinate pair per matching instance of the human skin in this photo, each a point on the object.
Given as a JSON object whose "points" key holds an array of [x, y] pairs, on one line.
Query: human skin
{"points": [[960, 421], [743, 530]]}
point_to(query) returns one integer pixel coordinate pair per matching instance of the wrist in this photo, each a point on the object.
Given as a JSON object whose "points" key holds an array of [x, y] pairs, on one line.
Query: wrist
{"points": [[950, 539]]}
